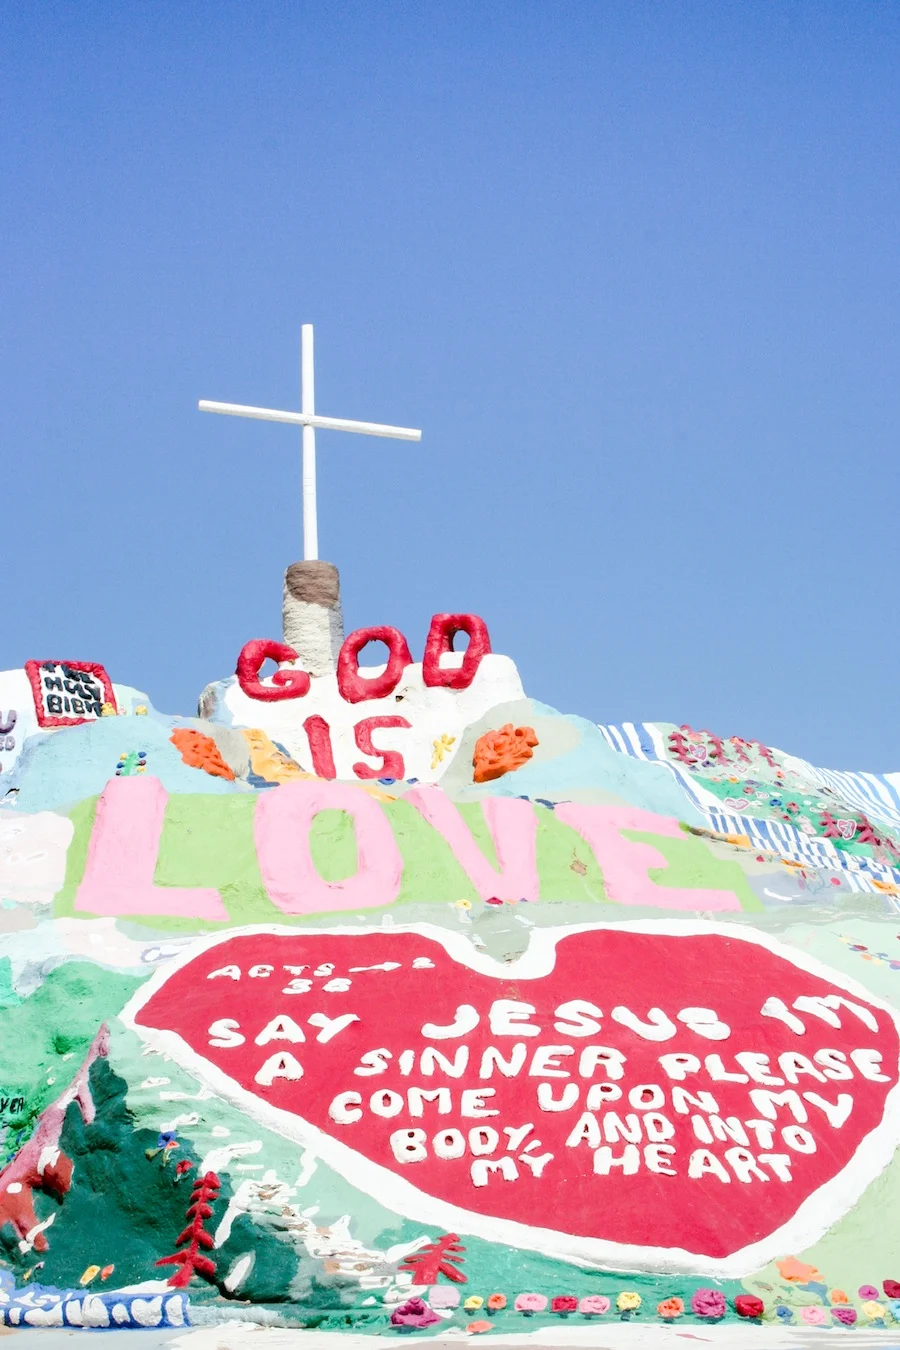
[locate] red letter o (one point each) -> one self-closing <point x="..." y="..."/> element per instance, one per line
<point x="354" y="687"/>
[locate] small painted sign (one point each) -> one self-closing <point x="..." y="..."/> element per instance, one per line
<point x="67" y="693"/>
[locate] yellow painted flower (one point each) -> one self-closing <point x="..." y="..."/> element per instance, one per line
<point x="628" y="1301"/>
<point x="473" y="1303"/>
<point x="874" y="1311"/>
<point x="463" y="904"/>
<point x="441" y="747"/>
<point x="141" y="710"/>
<point x="107" y="710"/>
<point x="90" y="1273"/>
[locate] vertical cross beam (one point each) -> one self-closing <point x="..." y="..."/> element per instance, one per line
<point x="308" y="405"/>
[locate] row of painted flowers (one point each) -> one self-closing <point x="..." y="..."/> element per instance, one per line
<point x="710" y="1304"/>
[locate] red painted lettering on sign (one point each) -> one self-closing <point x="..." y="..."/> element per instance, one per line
<point x="319" y="735"/>
<point x="357" y="688"/>
<point x="290" y="683"/>
<point x="391" y="765"/>
<point x="443" y="630"/>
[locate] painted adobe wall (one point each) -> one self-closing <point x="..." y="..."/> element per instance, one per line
<point x="392" y="999"/>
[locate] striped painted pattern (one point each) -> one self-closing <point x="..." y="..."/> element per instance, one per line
<point x="870" y="794"/>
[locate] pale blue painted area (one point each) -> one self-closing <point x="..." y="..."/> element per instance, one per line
<point x="56" y="770"/>
<point x="219" y="711"/>
<point x="593" y="764"/>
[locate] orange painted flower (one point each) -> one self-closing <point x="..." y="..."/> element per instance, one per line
<point x="503" y="751"/>
<point x="797" y="1272"/>
<point x="670" y="1308"/>
<point x="477" y="1327"/>
<point x="200" y="752"/>
<point x="496" y="1302"/>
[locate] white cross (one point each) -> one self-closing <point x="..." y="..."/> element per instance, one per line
<point x="308" y="420"/>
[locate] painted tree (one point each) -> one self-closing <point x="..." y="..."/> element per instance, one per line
<point x="438" y="1258"/>
<point x="41" y="1165"/>
<point x="206" y="1191"/>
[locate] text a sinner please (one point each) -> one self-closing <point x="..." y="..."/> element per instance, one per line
<point x="636" y="1134"/>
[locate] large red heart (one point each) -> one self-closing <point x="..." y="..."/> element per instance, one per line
<point x="654" y="1175"/>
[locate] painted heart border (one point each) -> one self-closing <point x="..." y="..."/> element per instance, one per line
<point x="814" y="1216"/>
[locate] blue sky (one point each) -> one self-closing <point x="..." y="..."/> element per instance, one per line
<point x="632" y="267"/>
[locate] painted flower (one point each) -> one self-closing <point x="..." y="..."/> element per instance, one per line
<point x="441" y="1296"/>
<point x="184" y="1166"/>
<point x="628" y="1301"/>
<point x="748" y="1305"/>
<point x="530" y="1303"/>
<point x="844" y="1314"/>
<point x="874" y="1310"/>
<point x="814" y="1316"/>
<point x="473" y="1303"/>
<point x="708" y="1303"/>
<point x="891" y="1288"/>
<point x="477" y="1327"/>
<point x="868" y="1291"/>
<point x="894" y="1306"/>
<point x="783" y="1312"/>
<point x="838" y="1296"/>
<point x="496" y="1302"/>
<point x="594" y="1305"/>
<point x="413" y="1313"/>
<point x="563" y="1303"/>
<point x="795" y="1271"/>
<point x="166" y="1137"/>
<point x="670" y="1308"/>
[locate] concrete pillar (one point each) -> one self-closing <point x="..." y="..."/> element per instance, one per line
<point x="311" y="614"/>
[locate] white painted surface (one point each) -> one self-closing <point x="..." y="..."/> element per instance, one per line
<point x="432" y="714"/>
<point x="16" y="692"/>
<point x="597" y="1334"/>
<point x="33" y="855"/>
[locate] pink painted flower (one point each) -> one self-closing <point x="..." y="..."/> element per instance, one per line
<point x="844" y="1314"/>
<point x="413" y="1313"/>
<point x="442" y="1296"/>
<point x="529" y="1304"/>
<point x="594" y="1305"/>
<point x="708" y="1303"/>
<point x="868" y="1291"/>
<point x="814" y="1316"/>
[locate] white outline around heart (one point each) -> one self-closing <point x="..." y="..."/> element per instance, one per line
<point x="810" y="1221"/>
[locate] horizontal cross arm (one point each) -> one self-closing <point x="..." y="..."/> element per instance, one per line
<point x="299" y="419"/>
